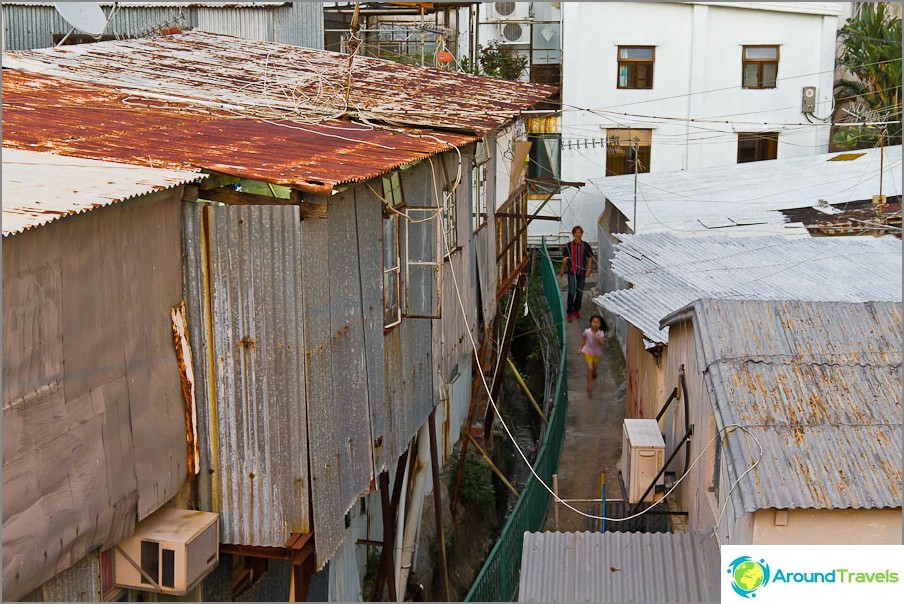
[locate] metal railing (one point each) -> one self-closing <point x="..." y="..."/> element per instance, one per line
<point x="498" y="579"/>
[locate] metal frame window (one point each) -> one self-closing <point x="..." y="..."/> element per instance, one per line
<point x="450" y="222"/>
<point x="392" y="261"/>
<point x="757" y="146"/>
<point x="479" y="186"/>
<point x="635" y="67"/>
<point x="626" y="148"/>
<point x="759" y="66"/>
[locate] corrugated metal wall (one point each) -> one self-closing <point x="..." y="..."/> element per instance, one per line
<point x="79" y="583"/>
<point x="28" y="26"/>
<point x="32" y="26"/>
<point x="611" y="221"/>
<point x="93" y="413"/>
<point x="244" y="292"/>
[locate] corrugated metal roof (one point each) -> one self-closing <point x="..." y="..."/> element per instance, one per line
<point x="39" y="188"/>
<point x="667" y="272"/>
<point x="746" y="198"/>
<point x="99" y="122"/>
<point x="282" y="82"/>
<point x="619" y="567"/>
<point x="818" y="384"/>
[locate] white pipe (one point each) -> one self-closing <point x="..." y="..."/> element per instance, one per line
<point x="416" y="507"/>
<point x="400" y="524"/>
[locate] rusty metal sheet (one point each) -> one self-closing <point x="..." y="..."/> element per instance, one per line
<point x="282" y="81"/>
<point x="818" y="384"/>
<point x="244" y="292"/>
<point x="98" y="122"/>
<point x="93" y="417"/>
<point x="39" y="188"/>
<point x="369" y="218"/>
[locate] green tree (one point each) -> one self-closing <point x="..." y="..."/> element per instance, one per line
<point x="871" y="53"/>
<point x="496" y="61"/>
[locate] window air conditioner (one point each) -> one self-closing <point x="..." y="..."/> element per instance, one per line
<point x="643" y="451"/>
<point x="174" y="548"/>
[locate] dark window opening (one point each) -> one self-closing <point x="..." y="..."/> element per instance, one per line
<point x="150" y="560"/>
<point x="635" y="66"/>
<point x="757" y="146"/>
<point x="545" y="156"/>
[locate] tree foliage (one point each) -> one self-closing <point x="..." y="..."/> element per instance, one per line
<point x="871" y="53"/>
<point x="496" y="61"/>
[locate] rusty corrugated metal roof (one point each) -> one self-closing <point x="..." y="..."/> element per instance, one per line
<point x="619" y="567"/>
<point x="284" y="82"/>
<point x="46" y="113"/>
<point x="819" y="385"/>
<point x="39" y="188"/>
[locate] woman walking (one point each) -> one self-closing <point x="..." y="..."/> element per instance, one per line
<point x="592" y="347"/>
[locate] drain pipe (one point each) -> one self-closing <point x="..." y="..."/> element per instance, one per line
<point x="400" y="525"/>
<point x="416" y="507"/>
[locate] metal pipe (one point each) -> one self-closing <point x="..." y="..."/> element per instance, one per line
<point x="400" y="527"/>
<point x="555" y="492"/>
<point x="602" y="502"/>
<point x="671" y="398"/>
<point x="493" y="467"/>
<point x="415" y="508"/>
<point x="526" y="390"/>
<point x="438" y="506"/>
<point x="687" y="417"/>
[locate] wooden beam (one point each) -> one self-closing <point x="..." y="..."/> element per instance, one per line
<point x="308" y="208"/>
<point x="438" y="506"/>
<point x="215" y="181"/>
<point x="528" y="217"/>
<point x="190" y="192"/>
<point x="496" y="387"/>
<point x="233" y="197"/>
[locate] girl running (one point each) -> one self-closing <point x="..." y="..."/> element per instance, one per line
<point x="592" y="347"/>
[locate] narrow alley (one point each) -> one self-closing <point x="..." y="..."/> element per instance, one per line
<point x="594" y="427"/>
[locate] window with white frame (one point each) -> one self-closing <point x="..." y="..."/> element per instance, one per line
<point x="392" y="265"/>
<point x="450" y="222"/>
<point x="479" y="186"/>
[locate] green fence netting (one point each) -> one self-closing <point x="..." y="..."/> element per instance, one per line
<point x="498" y="579"/>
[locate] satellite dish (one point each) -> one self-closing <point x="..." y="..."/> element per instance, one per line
<point x="85" y="16"/>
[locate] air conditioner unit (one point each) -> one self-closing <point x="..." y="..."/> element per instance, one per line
<point x="514" y="33"/>
<point x="175" y="548"/>
<point x="643" y="452"/>
<point x="511" y="10"/>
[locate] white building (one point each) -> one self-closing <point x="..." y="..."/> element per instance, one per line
<point x="692" y="85"/>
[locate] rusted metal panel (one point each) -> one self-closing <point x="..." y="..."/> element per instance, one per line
<point x="99" y="122"/>
<point x="241" y="73"/>
<point x="318" y="342"/>
<point x="348" y="414"/>
<point x="39" y="188"/>
<point x="244" y="292"/>
<point x="818" y="385"/>
<point x="370" y="257"/>
<point x="78" y="583"/>
<point x="187" y="375"/>
<point x="93" y="418"/>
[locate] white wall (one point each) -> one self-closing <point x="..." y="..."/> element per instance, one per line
<point x="829" y="527"/>
<point x="697" y="75"/>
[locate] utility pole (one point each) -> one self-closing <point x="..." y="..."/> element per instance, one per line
<point x="636" y="148"/>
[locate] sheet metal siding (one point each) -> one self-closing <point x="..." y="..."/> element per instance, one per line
<point x="79" y="583"/>
<point x="369" y="221"/>
<point x="619" y="567"/>
<point x="28" y="27"/>
<point x="249" y="23"/>
<point x="93" y="418"/>
<point x="668" y="272"/>
<point x="255" y="428"/>
<point x="611" y="222"/>
<point x="819" y="384"/>
<point x="338" y="409"/>
<point x="299" y="24"/>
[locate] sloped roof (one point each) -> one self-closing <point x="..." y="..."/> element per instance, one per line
<point x="817" y="385"/>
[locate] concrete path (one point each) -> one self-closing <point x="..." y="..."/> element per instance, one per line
<point x="593" y="433"/>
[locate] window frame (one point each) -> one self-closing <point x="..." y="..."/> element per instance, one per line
<point x="760" y="63"/>
<point x="769" y="139"/>
<point x="645" y="151"/>
<point x="632" y="71"/>
<point x="479" y="170"/>
<point x="449" y="219"/>
<point x="393" y="199"/>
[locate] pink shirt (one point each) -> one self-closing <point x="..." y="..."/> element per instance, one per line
<point x="593" y="344"/>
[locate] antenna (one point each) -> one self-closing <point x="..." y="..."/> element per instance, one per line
<point x="85" y="16"/>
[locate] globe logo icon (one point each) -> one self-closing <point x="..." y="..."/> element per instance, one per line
<point x="748" y="575"/>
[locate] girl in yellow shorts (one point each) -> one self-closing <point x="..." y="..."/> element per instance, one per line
<point x="592" y="347"/>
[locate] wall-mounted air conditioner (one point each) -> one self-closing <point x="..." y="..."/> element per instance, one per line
<point x="514" y="33"/>
<point x="643" y="452"/>
<point x="170" y="552"/>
